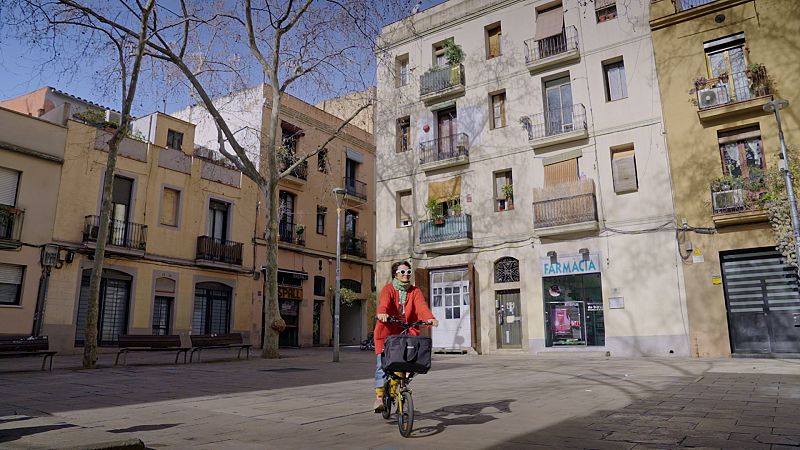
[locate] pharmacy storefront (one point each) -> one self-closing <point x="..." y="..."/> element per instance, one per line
<point x="573" y="300"/>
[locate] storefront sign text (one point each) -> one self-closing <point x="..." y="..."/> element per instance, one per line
<point x="570" y="265"/>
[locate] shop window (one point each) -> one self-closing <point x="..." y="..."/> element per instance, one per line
<point x="493" y="41"/>
<point x="113" y="307"/>
<point x="574" y="311"/>
<point x="403" y="134"/>
<point x="319" y="286"/>
<point x="11" y="277"/>
<point x="506" y="270"/>
<point x="614" y="76"/>
<point x="605" y="10"/>
<point x="402" y="70"/>
<point x="212" y="309"/>
<point x="170" y="203"/>
<point x="503" y="191"/>
<point x="623" y="169"/>
<point x="742" y="153"/>
<point x="174" y="139"/>
<point x="404" y="208"/>
<point x="498" y="110"/>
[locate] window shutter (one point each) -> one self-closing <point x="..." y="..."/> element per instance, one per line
<point x="169" y="207"/>
<point x="10" y="274"/>
<point x="8" y="186"/>
<point x="623" y="166"/>
<point x="494" y="42"/>
<point x="405" y="206"/>
<point x="561" y="172"/>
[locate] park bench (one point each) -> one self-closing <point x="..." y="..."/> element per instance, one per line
<point x="147" y="343"/>
<point x="210" y="341"/>
<point x="15" y="346"/>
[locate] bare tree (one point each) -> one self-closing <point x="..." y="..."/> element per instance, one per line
<point x="308" y="43"/>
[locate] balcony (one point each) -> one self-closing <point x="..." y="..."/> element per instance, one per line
<point x="11" y="227"/>
<point x="556" y="126"/>
<point x="565" y="208"/>
<point x="736" y="201"/>
<point x="441" y="83"/>
<point x="453" y="233"/>
<point x="123" y="237"/>
<point x="683" y="5"/>
<point x="733" y="94"/>
<point x="214" y="252"/>
<point x="287" y="233"/>
<point x="444" y="151"/>
<point x="351" y="245"/>
<point x="552" y="51"/>
<point x="355" y="191"/>
<point x="299" y="175"/>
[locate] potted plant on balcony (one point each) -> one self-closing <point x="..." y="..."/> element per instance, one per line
<point x="508" y="191"/>
<point x="434" y="210"/>
<point x="455" y="209"/>
<point x="299" y="229"/>
<point x="760" y="82"/>
<point x="6" y="220"/>
<point x="455" y="56"/>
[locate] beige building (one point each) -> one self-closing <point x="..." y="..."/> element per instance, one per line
<point x="719" y="62"/>
<point x="529" y="183"/>
<point x="180" y="254"/>
<point x="307" y="260"/>
<point x="347" y="105"/>
<point x="31" y="156"/>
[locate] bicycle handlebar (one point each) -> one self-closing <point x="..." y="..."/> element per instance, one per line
<point x="406" y="325"/>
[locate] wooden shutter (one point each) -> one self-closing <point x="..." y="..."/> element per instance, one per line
<point x="8" y="186"/>
<point x="494" y="42"/>
<point x="623" y="166"/>
<point x="169" y="207"/>
<point x="561" y="172"/>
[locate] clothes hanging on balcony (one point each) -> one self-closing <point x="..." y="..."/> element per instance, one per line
<point x="549" y="23"/>
<point x="443" y="191"/>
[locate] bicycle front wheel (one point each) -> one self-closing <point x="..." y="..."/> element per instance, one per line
<point x="405" y="414"/>
<point x="387" y="401"/>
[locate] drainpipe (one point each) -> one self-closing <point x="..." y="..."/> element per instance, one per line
<point x="41" y="296"/>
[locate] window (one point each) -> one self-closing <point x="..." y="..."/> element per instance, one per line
<point x="319" y="286"/>
<point x="170" y="204"/>
<point x="353" y="285"/>
<point x="402" y="70"/>
<point x="439" y="59"/>
<point x="10" y="284"/>
<point x="494" y="47"/>
<point x="321" y="212"/>
<point x="403" y="134"/>
<point x="404" y="209"/>
<point x="614" y="75"/>
<point x="113" y="309"/>
<point x="503" y="191"/>
<point x="9" y="181"/>
<point x="499" y="110"/>
<point x="218" y="220"/>
<point x="286" y="224"/>
<point x="174" y="139"/>
<point x="162" y="306"/>
<point x="212" y="309"/>
<point x="623" y="168"/>
<point x="727" y="69"/>
<point x="322" y="160"/>
<point x="605" y="10"/>
<point x="742" y="153"/>
<point x="506" y="270"/>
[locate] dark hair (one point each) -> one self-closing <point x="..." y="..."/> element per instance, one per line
<point x="398" y="264"/>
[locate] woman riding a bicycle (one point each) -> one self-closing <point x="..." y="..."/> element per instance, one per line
<point x="399" y="298"/>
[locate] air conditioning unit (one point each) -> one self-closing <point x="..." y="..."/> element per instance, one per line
<point x="405" y="223"/>
<point x="728" y="201"/>
<point x="707" y="98"/>
<point x="113" y="116"/>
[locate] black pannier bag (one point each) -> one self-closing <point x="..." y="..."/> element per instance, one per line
<point x="405" y="353"/>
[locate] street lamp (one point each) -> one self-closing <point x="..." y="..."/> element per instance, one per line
<point x="339" y="194"/>
<point x="775" y="106"/>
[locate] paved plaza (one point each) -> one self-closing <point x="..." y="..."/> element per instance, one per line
<point x="512" y="400"/>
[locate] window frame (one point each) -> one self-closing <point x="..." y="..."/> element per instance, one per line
<point x="488" y="34"/>
<point x="616" y="63"/>
<point x="403" y="123"/>
<point x="618" y="152"/>
<point x="178" y="202"/>
<point x="17" y="301"/>
<point x="402" y="70"/>
<point x="399" y="208"/>
<point x="740" y="144"/>
<point x="322" y="212"/>
<point x="501" y="202"/>
<point x="172" y="135"/>
<point x="501" y="97"/>
<point x="603" y="8"/>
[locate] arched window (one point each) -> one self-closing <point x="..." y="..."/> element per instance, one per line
<point x="506" y="270"/>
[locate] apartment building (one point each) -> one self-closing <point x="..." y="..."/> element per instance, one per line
<point x="528" y="181"/>
<point x="308" y="208"/>
<point x="719" y="63"/>
<point x="179" y="258"/>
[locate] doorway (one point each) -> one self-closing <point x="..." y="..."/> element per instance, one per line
<point x="509" y="320"/>
<point x="451" y="305"/>
<point x="558" y="107"/>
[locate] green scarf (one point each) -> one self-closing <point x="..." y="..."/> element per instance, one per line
<point x="402" y="288"/>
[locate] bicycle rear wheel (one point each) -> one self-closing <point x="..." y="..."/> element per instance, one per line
<point x="405" y="414"/>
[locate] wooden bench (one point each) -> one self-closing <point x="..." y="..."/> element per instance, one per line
<point x="147" y="343"/>
<point x="209" y="341"/>
<point x="14" y="346"/>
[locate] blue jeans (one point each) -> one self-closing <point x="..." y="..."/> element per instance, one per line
<point x="378" y="373"/>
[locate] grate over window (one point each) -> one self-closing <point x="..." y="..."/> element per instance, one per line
<point x="506" y="270"/>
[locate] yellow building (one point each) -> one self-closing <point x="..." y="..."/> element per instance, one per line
<point x="718" y="63"/>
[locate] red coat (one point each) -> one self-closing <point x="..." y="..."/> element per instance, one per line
<point x="416" y="308"/>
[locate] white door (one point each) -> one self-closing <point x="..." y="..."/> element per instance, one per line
<point x="450" y="304"/>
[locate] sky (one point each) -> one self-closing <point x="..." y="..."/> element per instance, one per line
<point x="21" y="72"/>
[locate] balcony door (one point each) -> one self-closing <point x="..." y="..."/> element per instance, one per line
<point x="350" y="169"/>
<point x="218" y="220"/>
<point x="558" y="107"/>
<point x="286" y="225"/>
<point x="727" y="62"/>
<point x="447" y="129"/>
<point x="120" y="211"/>
<point x="113" y="307"/>
<point x="350" y="224"/>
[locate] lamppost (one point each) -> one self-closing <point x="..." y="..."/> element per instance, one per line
<point x="339" y="194"/>
<point x="775" y="106"/>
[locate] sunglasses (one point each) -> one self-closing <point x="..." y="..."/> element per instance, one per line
<point x="404" y="272"/>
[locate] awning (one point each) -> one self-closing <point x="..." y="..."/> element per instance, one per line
<point x="443" y="191"/>
<point x="549" y="23"/>
<point x="355" y="156"/>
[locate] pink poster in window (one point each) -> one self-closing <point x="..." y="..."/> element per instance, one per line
<point x="561" y="321"/>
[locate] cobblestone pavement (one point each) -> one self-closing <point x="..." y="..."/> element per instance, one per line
<point x="509" y="400"/>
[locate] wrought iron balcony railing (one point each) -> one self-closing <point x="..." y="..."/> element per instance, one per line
<point x="452" y="228"/>
<point x="444" y="147"/>
<point x="538" y="49"/>
<point x="736" y="195"/>
<point x="219" y="250"/>
<point x="355" y="188"/>
<point x="733" y="88"/>
<point x="351" y="245"/>
<point x="441" y="79"/>
<point x="564" y="204"/>
<point x="300" y="172"/>
<point x="120" y="233"/>
<point x="10" y="224"/>
<point x="555" y="121"/>
<point x="287" y="233"/>
<point x="682" y="5"/>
